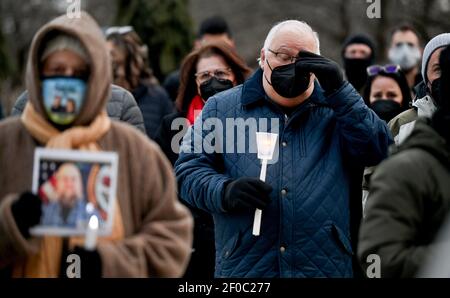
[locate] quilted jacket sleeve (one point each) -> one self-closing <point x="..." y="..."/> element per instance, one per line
<point x="364" y="135"/>
<point x="200" y="178"/>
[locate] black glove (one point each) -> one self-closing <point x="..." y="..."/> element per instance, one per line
<point x="327" y="71"/>
<point x="246" y="193"/>
<point x="90" y="263"/>
<point x="27" y="211"/>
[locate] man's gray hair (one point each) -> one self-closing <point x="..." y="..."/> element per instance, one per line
<point x="300" y="25"/>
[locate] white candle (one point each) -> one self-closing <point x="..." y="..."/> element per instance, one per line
<point x="266" y="143"/>
<point x="90" y="242"/>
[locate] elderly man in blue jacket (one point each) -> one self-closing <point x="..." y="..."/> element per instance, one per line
<point x="323" y="126"/>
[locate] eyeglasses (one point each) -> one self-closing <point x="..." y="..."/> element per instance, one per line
<point x="283" y="57"/>
<point x="376" y="69"/>
<point x="220" y="73"/>
<point x="119" y="30"/>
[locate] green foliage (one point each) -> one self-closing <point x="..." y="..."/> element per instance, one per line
<point x="165" y="26"/>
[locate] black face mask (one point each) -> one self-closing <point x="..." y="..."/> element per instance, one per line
<point x="386" y="109"/>
<point x="213" y="86"/>
<point x="287" y="81"/>
<point x="356" y="71"/>
<point x="435" y="91"/>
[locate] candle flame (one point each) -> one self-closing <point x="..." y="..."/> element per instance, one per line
<point x="93" y="222"/>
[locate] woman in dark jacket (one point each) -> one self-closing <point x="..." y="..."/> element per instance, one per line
<point x="131" y="71"/>
<point x="410" y="194"/>
<point x="210" y="69"/>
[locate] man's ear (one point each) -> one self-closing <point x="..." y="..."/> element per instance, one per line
<point x="262" y="58"/>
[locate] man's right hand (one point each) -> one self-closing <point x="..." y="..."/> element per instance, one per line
<point x="27" y="212"/>
<point x="246" y="194"/>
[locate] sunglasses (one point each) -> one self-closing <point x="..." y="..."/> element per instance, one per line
<point x="376" y="69"/>
<point x="119" y="30"/>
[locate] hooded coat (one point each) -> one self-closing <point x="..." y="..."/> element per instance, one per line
<point x="157" y="228"/>
<point x="408" y="203"/>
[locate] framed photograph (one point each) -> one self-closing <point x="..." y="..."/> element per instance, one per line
<point x="74" y="185"/>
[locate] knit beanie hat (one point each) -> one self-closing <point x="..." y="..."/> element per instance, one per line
<point x="64" y="42"/>
<point x="437" y="42"/>
<point x="359" y="39"/>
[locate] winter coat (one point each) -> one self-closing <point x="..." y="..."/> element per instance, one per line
<point x="121" y="106"/>
<point x="154" y="104"/>
<point x="157" y="228"/>
<point x="408" y="203"/>
<point x="305" y="230"/>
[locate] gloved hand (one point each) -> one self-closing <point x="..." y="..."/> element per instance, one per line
<point x="246" y="194"/>
<point x="27" y="211"/>
<point x="90" y="263"/>
<point x="327" y="71"/>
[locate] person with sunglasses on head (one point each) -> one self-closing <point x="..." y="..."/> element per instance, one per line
<point x="387" y="91"/>
<point x="425" y="103"/>
<point x="210" y="69"/>
<point x="131" y="71"/>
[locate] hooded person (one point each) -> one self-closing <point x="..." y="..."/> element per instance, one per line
<point x="152" y="231"/>
<point x="358" y="53"/>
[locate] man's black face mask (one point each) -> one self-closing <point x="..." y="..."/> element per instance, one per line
<point x="288" y="81"/>
<point x="356" y="71"/>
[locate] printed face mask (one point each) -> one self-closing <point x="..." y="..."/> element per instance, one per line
<point x="63" y="98"/>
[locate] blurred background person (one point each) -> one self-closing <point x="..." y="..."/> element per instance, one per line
<point x="211" y="30"/>
<point x="406" y="50"/>
<point x="210" y="69"/>
<point x="206" y="71"/>
<point x="131" y="71"/>
<point x="387" y="92"/>
<point x="1" y="112"/>
<point x="410" y="195"/>
<point x="402" y="125"/>
<point x="358" y="53"/>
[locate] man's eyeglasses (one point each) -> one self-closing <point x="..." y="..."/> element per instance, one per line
<point x="220" y="73"/>
<point x="283" y="57"/>
<point x="119" y="30"/>
<point x="376" y="69"/>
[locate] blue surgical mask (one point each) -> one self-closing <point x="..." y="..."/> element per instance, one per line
<point x="63" y="98"/>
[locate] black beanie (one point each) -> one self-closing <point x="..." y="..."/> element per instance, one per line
<point x="362" y="39"/>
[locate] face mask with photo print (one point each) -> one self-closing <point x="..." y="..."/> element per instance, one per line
<point x="63" y="98"/>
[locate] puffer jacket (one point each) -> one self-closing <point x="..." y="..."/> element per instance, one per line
<point x="305" y="230"/>
<point x="121" y="106"/>
<point x="154" y="104"/>
<point x="408" y="203"/>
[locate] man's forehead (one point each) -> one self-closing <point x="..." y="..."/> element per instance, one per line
<point x="289" y="38"/>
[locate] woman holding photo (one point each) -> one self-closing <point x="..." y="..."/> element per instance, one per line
<point x="152" y="231"/>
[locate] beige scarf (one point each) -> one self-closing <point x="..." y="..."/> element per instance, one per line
<point x="46" y="263"/>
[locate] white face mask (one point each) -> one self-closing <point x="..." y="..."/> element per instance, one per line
<point x="405" y="55"/>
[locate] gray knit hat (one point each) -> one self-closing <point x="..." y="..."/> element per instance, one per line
<point x="64" y="42"/>
<point x="437" y="42"/>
